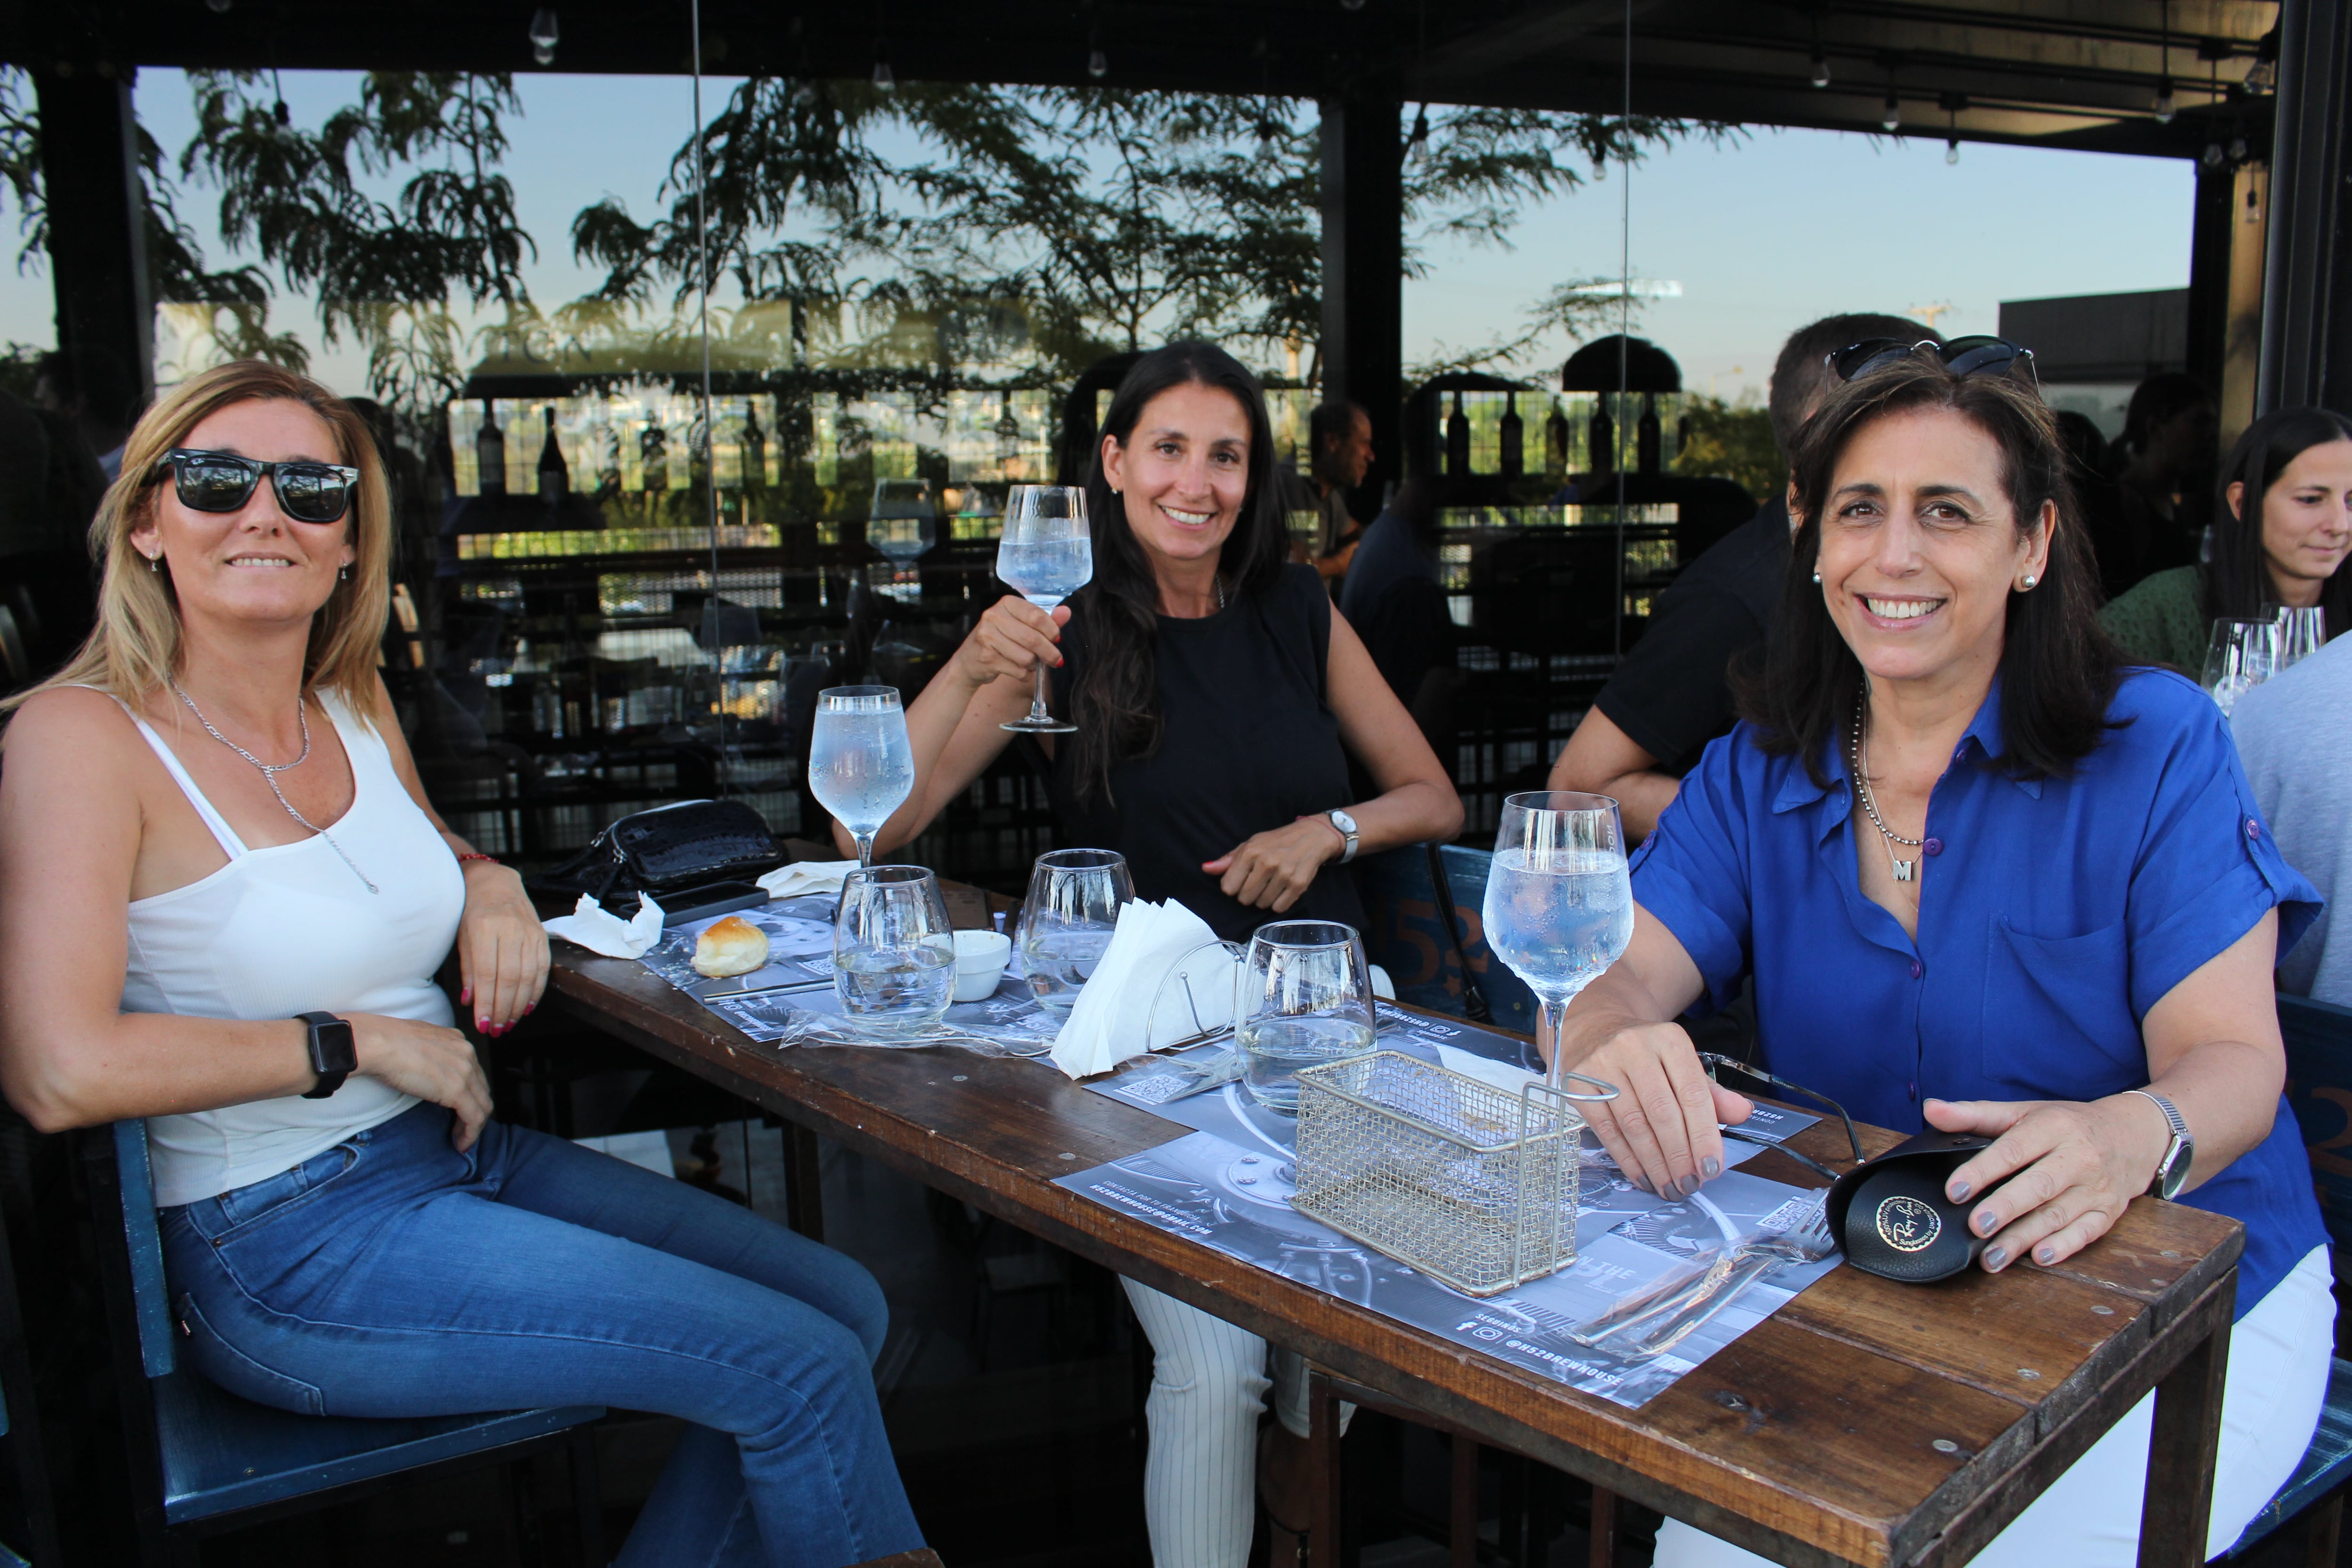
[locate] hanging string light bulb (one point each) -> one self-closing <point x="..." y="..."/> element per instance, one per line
<point x="1266" y="133"/>
<point x="884" y="78"/>
<point x="1892" y="121"/>
<point x="543" y="36"/>
<point x="1098" y="63"/>
<point x="2165" y="107"/>
<point x="2211" y="156"/>
<point x="278" y="111"/>
<point x="1417" y="148"/>
<point x="1951" y="150"/>
<point x="1820" y="68"/>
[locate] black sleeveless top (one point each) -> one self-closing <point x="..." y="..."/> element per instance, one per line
<point x="1247" y="742"/>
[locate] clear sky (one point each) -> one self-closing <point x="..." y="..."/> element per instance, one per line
<point x="1763" y="234"/>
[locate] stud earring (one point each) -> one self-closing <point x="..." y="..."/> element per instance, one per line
<point x="2030" y="580"/>
<point x="1817" y="579"/>
<point x="154" y="563"/>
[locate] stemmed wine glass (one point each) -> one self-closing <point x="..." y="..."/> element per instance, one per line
<point x="861" y="766"/>
<point x="1559" y="902"/>
<point x="2245" y="653"/>
<point x="1046" y="554"/>
<point x="2301" y="632"/>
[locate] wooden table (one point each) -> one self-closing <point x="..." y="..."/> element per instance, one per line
<point x="1865" y="1423"/>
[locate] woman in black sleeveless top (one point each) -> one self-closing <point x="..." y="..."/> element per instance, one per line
<point x="1218" y="698"/>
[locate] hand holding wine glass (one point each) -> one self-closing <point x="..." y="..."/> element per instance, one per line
<point x="1559" y="900"/>
<point x="1047" y="554"/>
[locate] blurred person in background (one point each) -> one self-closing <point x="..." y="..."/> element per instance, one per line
<point x="1670" y="695"/>
<point x="2284" y="530"/>
<point x="95" y="391"/>
<point x="1339" y="447"/>
<point x="2295" y="736"/>
<point x="1395" y="600"/>
<point x="2161" y="469"/>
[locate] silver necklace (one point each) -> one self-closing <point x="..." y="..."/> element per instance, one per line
<point x="1905" y="870"/>
<point x="1220" y="580"/>
<point x="270" y="772"/>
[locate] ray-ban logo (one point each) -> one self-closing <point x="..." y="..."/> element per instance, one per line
<point x="1907" y="1225"/>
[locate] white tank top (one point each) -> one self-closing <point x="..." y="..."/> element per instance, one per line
<point x="287" y="929"/>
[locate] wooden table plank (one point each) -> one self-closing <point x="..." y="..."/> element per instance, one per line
<point x="1811" y="1440"/>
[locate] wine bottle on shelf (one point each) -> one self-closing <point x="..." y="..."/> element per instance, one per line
<point x="1513" y="438"/>
<point x="1648" y="439"/>
<point x="554" y="473"/>
<point x="1600" y="438"/>
<point x="755" y="447"/>
<point x="1556" y="443"/>
<point x="1457" y="441"/>
<point x="490" y="454"/>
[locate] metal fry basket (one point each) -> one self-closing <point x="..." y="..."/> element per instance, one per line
<point x="1470" y="1185"/>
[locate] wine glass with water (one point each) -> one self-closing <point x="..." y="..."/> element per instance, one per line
<point x="861" y="766"/>
<point x="1046" y="554"/>
<point x="1559" y="902"/>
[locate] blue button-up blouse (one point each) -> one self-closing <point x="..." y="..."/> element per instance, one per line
<point x="2054" y="913"/>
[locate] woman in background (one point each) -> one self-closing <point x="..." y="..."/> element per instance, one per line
<point x="2286" y="493"/>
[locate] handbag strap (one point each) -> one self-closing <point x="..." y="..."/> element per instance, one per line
<point x="1475" y="1006"/>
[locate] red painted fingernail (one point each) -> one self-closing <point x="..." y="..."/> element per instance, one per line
<point x="466" y="998"/>
<point x="483" y="1025"/>
<point x="527" y="1006"/>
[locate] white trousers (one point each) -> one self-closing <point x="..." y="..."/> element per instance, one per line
<point x="2089" y="1518"/>
<point x="1208" y="1386"/>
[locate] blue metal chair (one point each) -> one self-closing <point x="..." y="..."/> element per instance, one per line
<point x="2319" y="1088"/>
<point x="1508" y="1001"/>
<point x="204" y="1460"/>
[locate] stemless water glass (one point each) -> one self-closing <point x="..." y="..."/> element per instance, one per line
<point x="894" y="963"/>
<point x="1303" y="997"/>
<point x="1067" y="924"/>
<point x="1046" y="554"/>
<point x="861" y="766"/>
<point x="2244" y="654"/>
<point x="1559" y="903"/>
<point x="2301" y="632"/>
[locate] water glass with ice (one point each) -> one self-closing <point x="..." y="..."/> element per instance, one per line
<point x="861" y="766"/>
<point x="894" y="957"/>
<point x="1046" y="554"/>
<point x="1303" y="997"/>
<point x="1560" y="903"/>
<point x="2301" y="632"/>
<point x="1067" y="924"/>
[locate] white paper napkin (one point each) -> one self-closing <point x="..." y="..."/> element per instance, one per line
<point x="1113" y="1018"/>
<point x="1485" y="1069"/>
<point x="598" y="930"/>
<point x="806" y="877"/>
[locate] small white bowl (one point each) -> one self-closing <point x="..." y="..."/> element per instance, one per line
<point x="980" y="958"/>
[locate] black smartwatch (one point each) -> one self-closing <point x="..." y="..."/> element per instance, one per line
<point x="334" y="1052"/>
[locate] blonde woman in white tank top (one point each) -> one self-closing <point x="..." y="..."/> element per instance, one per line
<point x="209" y="826"/>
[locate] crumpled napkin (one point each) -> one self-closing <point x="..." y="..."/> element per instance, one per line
<point x="598" y="930"/>
<point x="806" y="877"/>
<point x="1113" y="1019"/>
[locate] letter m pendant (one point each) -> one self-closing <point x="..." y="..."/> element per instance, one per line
<point x="1905" y="870"/>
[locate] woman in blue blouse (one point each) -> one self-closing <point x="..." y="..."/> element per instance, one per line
<point x="1987" y="881"/>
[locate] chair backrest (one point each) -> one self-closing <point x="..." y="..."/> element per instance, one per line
<point x="1404" y="932"/>
<point x="2319" y="1088"/>
<point x="150" y="1298"/>
<point x="1509" y="1003"/>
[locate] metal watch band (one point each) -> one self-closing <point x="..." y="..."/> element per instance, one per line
<point x="2180" y="1143"/>
<point x="334" y="1054"/>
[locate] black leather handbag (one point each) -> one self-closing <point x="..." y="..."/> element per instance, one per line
<point x="689" y="844"/>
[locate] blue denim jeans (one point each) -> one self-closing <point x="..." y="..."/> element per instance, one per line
<point x="392" y="1276"/>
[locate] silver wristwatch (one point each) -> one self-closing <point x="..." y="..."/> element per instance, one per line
<point x="2171" y="1171"/>
<point x="1347" y="826"/>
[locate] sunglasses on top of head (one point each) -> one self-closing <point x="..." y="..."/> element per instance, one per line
<point x="223" y="481"/>
<point x="1961" y="356"/>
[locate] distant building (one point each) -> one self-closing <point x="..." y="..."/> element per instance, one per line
<point x="2091" y="350"/>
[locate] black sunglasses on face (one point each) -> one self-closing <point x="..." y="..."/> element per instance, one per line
<point x="1961" y="356"/>
<point x="223" y="481"/>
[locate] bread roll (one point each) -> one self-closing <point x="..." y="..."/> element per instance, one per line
<point x="732" y="947"/>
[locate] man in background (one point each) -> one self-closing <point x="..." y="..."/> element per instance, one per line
<point x="1339" y="448"/>
<point x="1672" y="694"/>
<point x="2294" y="735"/>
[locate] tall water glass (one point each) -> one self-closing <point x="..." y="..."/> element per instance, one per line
<point x="861" y="766"/>
<point x="2301" y="632"/>
<point x="894" y="962"/>
<point x="1067" y="924"/>
<point x="1044" y="555"/>
<point x="1303" y="997"/>
<point x="1560" y="903"/>
<point x="2243" y="655"/>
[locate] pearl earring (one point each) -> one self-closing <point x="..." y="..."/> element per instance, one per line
<point x="2030" y="581"/>
<point x="154" y="563"/>
<point x="1817" y="579"/>
<point x="345" y="575"/>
